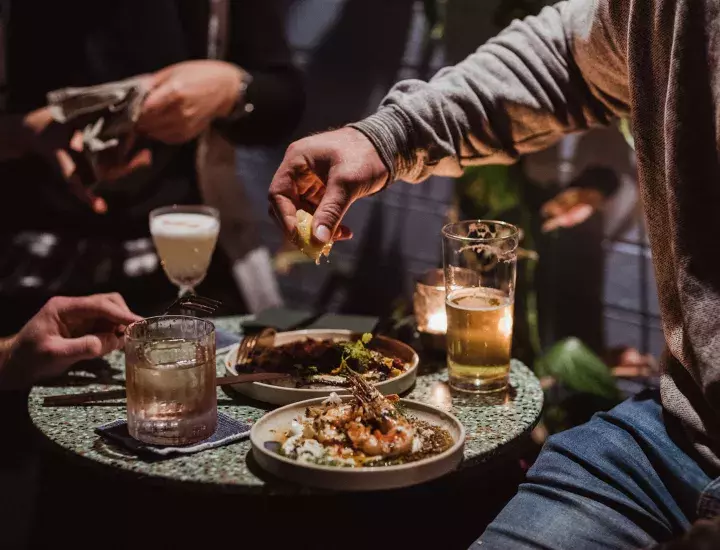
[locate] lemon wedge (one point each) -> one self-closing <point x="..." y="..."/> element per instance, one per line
<point x="305" y="242"/>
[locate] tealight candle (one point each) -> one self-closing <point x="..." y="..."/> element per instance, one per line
<point x="429" y="307"/>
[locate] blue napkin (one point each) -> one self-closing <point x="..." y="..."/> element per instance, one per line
<point x="224" y="339"/>
<point x="228" y="430"/>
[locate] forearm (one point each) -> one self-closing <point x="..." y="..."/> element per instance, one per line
<point x="546" y="76"/>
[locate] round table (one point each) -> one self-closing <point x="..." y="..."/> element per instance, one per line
<point x="492" y="423"/>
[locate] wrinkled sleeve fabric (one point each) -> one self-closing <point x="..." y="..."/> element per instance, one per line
<point x="561" y="71"/>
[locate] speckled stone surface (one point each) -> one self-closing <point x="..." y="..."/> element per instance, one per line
<point x="491" y="424"/>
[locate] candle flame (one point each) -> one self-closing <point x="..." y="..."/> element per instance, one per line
<point x="505" y="324"/>
<point x="437" y="322"/>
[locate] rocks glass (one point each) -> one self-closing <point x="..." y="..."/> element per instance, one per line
<point x="170" y="369"/>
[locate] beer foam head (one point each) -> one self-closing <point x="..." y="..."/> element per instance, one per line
<point x="184" y="224"/>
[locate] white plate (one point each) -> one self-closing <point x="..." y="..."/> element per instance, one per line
<point x="356" y="479"/>
<point x="278" y="395"/>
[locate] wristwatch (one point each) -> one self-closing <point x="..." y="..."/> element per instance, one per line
<point x="242" y="106"/>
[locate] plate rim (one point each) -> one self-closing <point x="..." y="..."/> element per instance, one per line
<point x="340" y="332"/>
<point x="458" y="445"/>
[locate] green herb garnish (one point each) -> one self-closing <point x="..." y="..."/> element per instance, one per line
<point x="357" y="353"/>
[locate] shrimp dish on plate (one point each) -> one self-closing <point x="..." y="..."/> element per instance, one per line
<point x="368" y="429"/>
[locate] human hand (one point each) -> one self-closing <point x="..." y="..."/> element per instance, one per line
<point x="186" y="97"/>
<point x="571" y="207"/>
<point x="63" y="332"/>
<point x="61" y="145"/>
<point x="325" y="174"/>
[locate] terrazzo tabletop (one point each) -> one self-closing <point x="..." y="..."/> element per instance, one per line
<point x="492" y="423"/>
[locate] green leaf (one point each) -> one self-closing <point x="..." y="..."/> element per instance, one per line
<point x="626" y="131"/>
<point x="575" y="365"/>
<point x="489" y="190"/>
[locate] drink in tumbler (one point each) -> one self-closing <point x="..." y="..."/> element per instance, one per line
<point x="170" y="369"/>
<point x="479" y="337"/>
<point x="185" y="238"/>
<point x="479" y="259"/>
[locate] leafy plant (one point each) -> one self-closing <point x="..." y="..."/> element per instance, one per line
<point x="626" y="130"/>
<point x="573" y="364"/>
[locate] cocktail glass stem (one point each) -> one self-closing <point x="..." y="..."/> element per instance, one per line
<point x="186" y="290"/>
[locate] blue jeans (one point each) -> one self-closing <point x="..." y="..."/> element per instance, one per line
<point x="618" y="481"/>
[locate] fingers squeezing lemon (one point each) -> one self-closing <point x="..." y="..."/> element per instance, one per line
<point x="305" y="241"/>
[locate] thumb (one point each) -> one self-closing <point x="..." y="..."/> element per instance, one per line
<point x="333" y="206"/>
<point x="154" y="104"/>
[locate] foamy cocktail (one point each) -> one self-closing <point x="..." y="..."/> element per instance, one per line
<point x="185" y="238"/>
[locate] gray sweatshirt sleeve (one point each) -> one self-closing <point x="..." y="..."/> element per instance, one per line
<point x="561" y="71"/>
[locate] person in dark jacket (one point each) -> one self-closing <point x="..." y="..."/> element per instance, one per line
<point x="56" y="237"/>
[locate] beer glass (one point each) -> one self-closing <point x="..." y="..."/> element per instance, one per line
<point x="479" y="259"/>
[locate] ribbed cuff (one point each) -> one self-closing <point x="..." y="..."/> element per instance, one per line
<point x="391" y="134"/>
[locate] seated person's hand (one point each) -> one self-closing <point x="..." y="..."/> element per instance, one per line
<point x="63" y="332"/>
<point x="325" y="174"/>
<point x="186" y="97"/>
<point x="571" y="207"/>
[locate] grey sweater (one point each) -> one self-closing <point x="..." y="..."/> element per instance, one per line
<point x="575" y="66"/>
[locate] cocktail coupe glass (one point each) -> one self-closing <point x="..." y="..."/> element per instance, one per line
<point x="185" y="239"/>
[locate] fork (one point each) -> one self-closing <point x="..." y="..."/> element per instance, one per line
<point x="249" y="343"/>
<point x="193" y="302"/>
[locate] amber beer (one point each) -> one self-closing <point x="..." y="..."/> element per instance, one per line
<point x="479" y="261"/>
<point x="480" y="322"/>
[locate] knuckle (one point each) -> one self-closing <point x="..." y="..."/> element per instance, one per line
<point x="187" y="113"/>
<point x="45" y="350"/>
<point x="332" y="211"/>
<point x="175" y="95"/>
<point x="347" y="177"/>
<point x="57" y="302"/>
<point x="294" y="148"/>
<point x="94" y="347"/>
